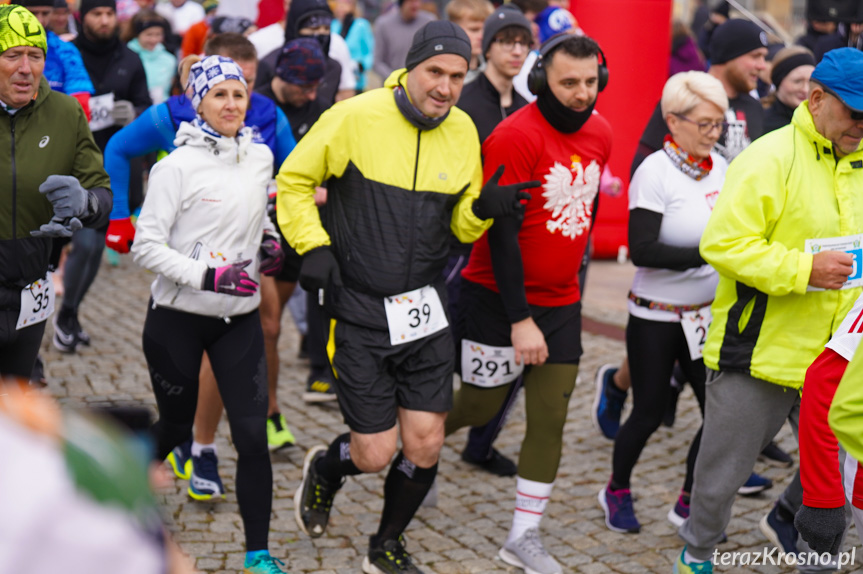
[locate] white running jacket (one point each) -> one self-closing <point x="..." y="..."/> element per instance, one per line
<point x="206" y="206"/>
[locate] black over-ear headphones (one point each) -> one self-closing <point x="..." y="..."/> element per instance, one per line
<point x="537" y="81"/>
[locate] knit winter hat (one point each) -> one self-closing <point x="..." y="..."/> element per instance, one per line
<point x="19" y="27"/>
<point x="735" y="38"/>
<point x="87" y="5"/>
<point x="209" y="72"/>
<point x="301" y="62"/>
<point x="435" y="38"/>
<point x="505" y="16"/>
<point x="552" y="21"/>
<point x="33" y="3"/>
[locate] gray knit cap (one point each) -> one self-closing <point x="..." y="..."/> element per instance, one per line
<point x="435" y="38"/>
<point x="505" y="16"/>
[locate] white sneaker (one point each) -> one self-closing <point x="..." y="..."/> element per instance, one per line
<point x="528" y="553"/>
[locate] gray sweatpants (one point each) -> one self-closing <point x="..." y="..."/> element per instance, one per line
<point x="741" y="415"/>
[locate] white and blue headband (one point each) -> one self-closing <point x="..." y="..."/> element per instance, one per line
<point x="209" y="72"/>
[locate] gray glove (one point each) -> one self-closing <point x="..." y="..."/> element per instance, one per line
<point x="70" y="202"/>
<point x="123" y="113"/>
<point x="822" y="528"/>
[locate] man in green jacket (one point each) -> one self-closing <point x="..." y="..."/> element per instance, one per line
<point x="777" y="303"/>
<point x="54" y="184"/>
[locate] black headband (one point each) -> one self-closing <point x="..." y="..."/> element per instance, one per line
<point x="142" y="25"/>
<point x="787" y="65"/>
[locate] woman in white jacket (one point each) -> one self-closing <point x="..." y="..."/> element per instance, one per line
<point x="204" y="230"/>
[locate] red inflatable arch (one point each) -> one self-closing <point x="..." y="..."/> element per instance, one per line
<point x="636" y="37"/>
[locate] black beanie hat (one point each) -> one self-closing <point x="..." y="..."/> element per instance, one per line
<point x="438" y="37"/>
<point x="735" y="38"/>
<point x="87" y="5"/>
<point x="505" y="16"/>
<point x="32" y="3"/>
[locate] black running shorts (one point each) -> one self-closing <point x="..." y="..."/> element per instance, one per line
<point x="484" y="320"/>
<point x="374" y="378"/>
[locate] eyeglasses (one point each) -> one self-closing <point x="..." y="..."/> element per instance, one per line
<point x="705" y="128"/>
<point x="510" y="44"/>
<point x="855" y="115"/>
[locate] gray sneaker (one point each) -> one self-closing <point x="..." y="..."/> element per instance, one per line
<point x="528" y="553"/>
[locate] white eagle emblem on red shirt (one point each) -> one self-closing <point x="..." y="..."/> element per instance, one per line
<point x="569" y="195"/>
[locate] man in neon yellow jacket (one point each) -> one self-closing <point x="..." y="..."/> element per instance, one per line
<point x="404" y="175"/>
<point x="800" y="182"/>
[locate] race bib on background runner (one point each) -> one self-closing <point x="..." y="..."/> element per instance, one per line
<point x="414" y="315"/>
<point x="101" y="112"/>
<point x="695" y="325"/>
<point x="37" y="303"/>
<point x="488" y="366"/>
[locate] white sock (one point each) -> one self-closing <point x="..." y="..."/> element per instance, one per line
<point x="530" y="500"/>
<point x="198" y="448"/>
<point x="690" y="559"/>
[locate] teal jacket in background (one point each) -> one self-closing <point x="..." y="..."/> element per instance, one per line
<point x="160" y="66"/>
<point x="361" y="43"/>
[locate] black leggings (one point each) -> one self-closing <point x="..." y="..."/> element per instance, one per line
<point x="653" y="347"/>
<point x="174" y="343"/>
<point x="18" y="347"/>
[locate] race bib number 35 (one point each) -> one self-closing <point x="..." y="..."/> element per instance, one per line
<point x="37" y="303"/>
<point x="488" y="366"/>
<point x="414" y="315"/>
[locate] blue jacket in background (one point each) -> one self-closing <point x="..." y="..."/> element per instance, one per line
<point x="64" y="68"/>
<point x="156" y="128"/>
<point x="361" y="43"/>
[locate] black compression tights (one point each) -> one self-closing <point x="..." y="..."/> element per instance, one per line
<point x="547" y="389"/>
<point x="653" y="347"/>
<point x="174" y="343"/>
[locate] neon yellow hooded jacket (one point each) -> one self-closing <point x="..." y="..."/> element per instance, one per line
<point x="846" y="411"/>
<point x="786" y="187"/>
<point x="396" y="195"/>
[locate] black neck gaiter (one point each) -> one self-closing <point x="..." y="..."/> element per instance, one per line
<point x="559" y="116"/>
<point x="418" y="119"/>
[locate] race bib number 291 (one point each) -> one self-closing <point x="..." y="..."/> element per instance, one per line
<point x="487" y="366"/>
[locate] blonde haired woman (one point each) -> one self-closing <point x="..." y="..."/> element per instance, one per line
<point x="204" y="230"/>
<point x="670" y="199"/>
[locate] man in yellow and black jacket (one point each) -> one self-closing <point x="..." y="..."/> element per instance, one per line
<point x="404" y="175"/>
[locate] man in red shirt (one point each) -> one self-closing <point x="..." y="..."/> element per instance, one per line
<point x="520" y="299"/>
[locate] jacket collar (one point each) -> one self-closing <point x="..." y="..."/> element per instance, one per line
<point x="802" y="120"/>
<point x="224" y="149"/>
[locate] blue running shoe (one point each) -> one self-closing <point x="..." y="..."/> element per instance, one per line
<point x="755" y="484"/>
<point x="619" y="515"/>
<point x="205" y="483"/>
<point x="263" y="564"/>
<point x="180" y="460"/>
<point x="780" y="529"/>
<point x="684" y="567"/>
<point x="607" y="402"/>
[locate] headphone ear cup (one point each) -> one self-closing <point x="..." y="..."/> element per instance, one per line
<point x="536" y="80"/>
<point x="602" y="77"/>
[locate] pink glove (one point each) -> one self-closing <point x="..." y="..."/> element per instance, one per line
<point x="231" y="280"/>
<point x="272" y="255"/>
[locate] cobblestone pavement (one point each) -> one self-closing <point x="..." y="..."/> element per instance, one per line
<point x="464" y="532"/>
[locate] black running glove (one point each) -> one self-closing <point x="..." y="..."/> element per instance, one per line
<point x="319" y="267"/>
<point x="822" y="528"/>
<point x="497" y="200"/>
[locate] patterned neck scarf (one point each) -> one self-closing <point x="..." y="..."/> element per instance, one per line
<point x="202" y="125"/>
<point x="695" y="169"/>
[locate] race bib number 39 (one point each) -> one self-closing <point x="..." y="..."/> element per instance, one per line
<point x="488" y="366"/>
<point x="695" y="325"/>
<point x="37" y="303"/>
<point x="414" y="315"/>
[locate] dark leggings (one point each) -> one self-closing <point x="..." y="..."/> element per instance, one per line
<point x="653" y="347"/>
<point x="82" y="265"/>
<point x="18" y="347"/>
<point x="174" y="343"/>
